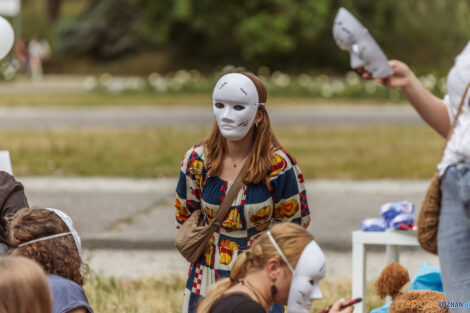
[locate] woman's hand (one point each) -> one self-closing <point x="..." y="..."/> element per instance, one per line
<point x="336" y="308"/>
<point x="401" y="77"/>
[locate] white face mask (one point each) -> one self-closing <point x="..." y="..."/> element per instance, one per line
<point x="235" y="103"/>
<point x="352" y="36"/>
<point x="310" y="269"/>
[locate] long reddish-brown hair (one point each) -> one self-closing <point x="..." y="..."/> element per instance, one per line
<point x="264" y="142"/>
<point x="58" y="256"/>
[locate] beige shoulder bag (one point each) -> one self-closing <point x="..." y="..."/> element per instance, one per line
<point x="193" y="235"/>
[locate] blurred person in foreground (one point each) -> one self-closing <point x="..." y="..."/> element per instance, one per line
<point x="12" y="199"/>
<point x="273" y="186"/>
<point x="48" y="237"/>
<point x="454" y="168"/>
<point x="23" y="286"/>
<point x="282" y="266"/>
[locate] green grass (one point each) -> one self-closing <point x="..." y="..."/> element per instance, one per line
<point x="94" y="99"/>
<point x="165" y="295"/>
<point x="339" y="153"/>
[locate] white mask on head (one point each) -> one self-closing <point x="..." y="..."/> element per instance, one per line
<point x="352" y="36"/>
<point x="235" y="103"/>
<point x="310" y="269"/>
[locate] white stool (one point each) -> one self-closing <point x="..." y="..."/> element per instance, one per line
<point x="390" y="239"/>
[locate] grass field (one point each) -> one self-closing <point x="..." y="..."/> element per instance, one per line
<point x="164" y="295"/>
<point x="339" y="153"/>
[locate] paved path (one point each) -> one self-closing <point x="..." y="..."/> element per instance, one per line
<point x="163" y="263"/>
<point x="181" y="116"/>
<point x="139" y="214"/>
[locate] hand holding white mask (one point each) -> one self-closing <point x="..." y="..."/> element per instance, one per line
<point x="352" y="36"/>
<point x="6" y="37"/>
<point x="235" y="103"/>
<point x="310" y="269"/>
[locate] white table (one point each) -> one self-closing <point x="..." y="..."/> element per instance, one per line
<point x="360" y="239"/>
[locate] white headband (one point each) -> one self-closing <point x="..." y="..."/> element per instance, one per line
<point x="68" y="221"/>
<point x="283" y="256"/>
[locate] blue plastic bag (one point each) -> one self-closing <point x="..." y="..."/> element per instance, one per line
<point x="373" y="224"/>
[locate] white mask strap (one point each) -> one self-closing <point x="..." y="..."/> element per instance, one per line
<point x="279" y="250"/>
<point x="44" y="238"/>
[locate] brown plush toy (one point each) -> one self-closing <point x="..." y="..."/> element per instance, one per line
<point x="393" y="278"/>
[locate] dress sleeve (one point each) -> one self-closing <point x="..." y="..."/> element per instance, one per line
<point x="188" y="189"/>
<point x="288" y="190"/>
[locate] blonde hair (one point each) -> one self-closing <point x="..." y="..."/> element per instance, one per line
<point x="264" y="143"/>
<point x="291" y="238"/>
<point x="23" y="286"/>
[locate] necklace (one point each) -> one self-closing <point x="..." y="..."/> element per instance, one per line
<point x="242" y="161"/>
<point x="257" y="294"/>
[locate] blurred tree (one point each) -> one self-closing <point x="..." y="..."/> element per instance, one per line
<point x="250" y="31"/>
<point x="282" y="34"/>
<point x="53" y="9"/>
<point x="106" y="29"/>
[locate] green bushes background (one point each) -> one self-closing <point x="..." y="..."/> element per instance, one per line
<point x="287" y="35"/>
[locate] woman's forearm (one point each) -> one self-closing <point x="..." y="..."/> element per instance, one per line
<point x="431" y="108"/>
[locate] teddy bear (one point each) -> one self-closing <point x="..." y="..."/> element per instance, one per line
<point x="393" y="278"/>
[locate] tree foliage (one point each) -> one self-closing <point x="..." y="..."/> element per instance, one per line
<point x="104" y="30"/>
<point x="284" y="34"/>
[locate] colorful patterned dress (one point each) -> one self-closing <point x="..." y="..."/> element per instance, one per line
<point x="250" y="215"/>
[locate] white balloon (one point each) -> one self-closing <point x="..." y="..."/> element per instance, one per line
<point x="6" y="37"/>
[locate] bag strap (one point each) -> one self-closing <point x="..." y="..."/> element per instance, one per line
<point x="229" y="197"/>
<point x="451" y="131"/>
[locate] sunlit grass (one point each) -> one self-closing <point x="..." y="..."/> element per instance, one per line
<point x="339" y="153"/>
<point x="165" y="295"/>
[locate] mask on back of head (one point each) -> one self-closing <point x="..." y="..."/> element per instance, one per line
<point x="310" y="269"/>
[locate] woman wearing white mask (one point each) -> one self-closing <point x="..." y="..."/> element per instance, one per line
<point x="454" y="168"/>
<point x="273" y="186"/>
<point x="283" y="266"/>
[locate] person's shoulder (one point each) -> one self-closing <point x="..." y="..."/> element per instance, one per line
<point x="281" y="163"/>
<point x="283" y="154"/>
<point x="58" y="283"/>
<point x="67" y="295"/>
<point x="196" y="151"/>
<point x="235" y="303"/>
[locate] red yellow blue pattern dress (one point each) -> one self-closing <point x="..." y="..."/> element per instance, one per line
<point x="280" y="197"/>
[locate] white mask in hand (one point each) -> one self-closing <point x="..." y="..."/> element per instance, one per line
<point x="310" y="269"/>
<point x="235" y="103"/>
<point x="352" y="36"/>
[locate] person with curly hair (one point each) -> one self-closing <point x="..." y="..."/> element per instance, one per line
<point x="48" y="237"/>
<point x="23" y="286"/>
